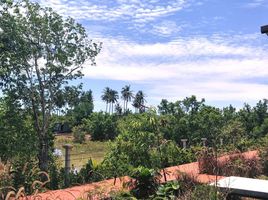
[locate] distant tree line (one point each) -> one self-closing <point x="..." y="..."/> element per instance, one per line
<point x="110" y="97"/>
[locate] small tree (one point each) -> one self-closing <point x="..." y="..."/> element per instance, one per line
<point x="39" y="53"/>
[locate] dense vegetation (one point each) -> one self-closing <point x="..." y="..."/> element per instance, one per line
<point x="142" y="143"/>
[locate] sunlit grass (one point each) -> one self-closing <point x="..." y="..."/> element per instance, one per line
<point x="81" y="153"/>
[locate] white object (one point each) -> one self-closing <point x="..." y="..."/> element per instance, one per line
<point x="248" y="187"/>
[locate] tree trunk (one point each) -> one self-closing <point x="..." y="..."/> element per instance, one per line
<point x="106" y="106"/>
<point x="43" y="152"/>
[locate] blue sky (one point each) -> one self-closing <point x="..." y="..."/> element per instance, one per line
<point x="175" y="48"/>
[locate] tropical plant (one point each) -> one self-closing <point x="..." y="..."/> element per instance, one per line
<point x="118" y="109"/>
<point x="109" y="96"/>
<point x="139" y="101"/>
<point x="105" y="97"/>
<point x="145" y="182"/>
<point x="113" y="98"/>
<point x="170" y="190"/>
<point x="127" y="95"/>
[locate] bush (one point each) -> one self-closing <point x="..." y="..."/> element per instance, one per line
<point x="238" y="165"/>
<point x="5" y="179"/>
<point x="235" y="165"/>
<point x="101" y="126"/>
<point x="90" y="173"/>
<point x="207" y="161"/>
<point x="79" y="134"/>
<point x="145" y="182"/>
<point x="206" y="192"/>
<point x="264" y="160"/>
<point x="170" y="190"/>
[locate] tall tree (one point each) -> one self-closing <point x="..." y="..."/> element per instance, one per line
<point x="163" y="108"/>
<point x="39" y="53"/>
<point x="84" y="108"/>
<point x="127" y="95"/>
<point x="105" y="96"/>
<point x="113" y="98"/>
<point x="139" y="101"/>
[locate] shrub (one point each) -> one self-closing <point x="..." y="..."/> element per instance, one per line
<point x="79" y="134"/>
<point x="5" y="179"/>
<point x="145" y="182"/>
<point x="264" y="160"/>
<point x="206" y="192"/>
<point x="89" y="173"/>
<point x="238" y="165"/>
<point x="122" y="195"/>
<point x="235" y="165"/>
<point x="207" y="161"/>
<point x="101" y="126"/>
<point x="170" y="190"/>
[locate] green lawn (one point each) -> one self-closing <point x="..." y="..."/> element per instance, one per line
<point x="81" y="153"/>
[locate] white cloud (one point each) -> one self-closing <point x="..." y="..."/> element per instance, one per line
<point x="136" y="10"/>
<point x="216" y="69"/>
<point x="165" y="28"/>
<point x="257" y="3"/>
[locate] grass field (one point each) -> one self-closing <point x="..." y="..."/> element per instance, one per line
<point x="81" y="153"/>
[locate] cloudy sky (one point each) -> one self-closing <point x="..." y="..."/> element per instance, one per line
<point x="175" y="48"/>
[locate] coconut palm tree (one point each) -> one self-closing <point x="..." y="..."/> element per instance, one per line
<point x="105" y="97"/>
<point x="113" y="96"/>
<point x="127" y="95"/>
<point x="118" y="109"/>
<point x="139" y="101"/>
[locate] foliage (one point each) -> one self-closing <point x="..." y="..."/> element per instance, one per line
<point x="89" y="173"/>
<point x="122" y="195"/>
<point x="170" y="190"/>
<point x="110" y="96"/>
<point x="264" y="159"/>
<point x="20" y="179"/>
<point x="79" y="134"/>
<point x="38" y="58"/>
<point x="139" y="101"/>
<point x="101" y="126"/>
<point x="234" y="165"/>
<point x="140" y="143"/>
<point x="5" y="179"/>
<point x="83" y="108"/>
<point x="17" y="138"/>
<point x="127" y="96"/>
<point x="145" y="182"/>
<point x="233" y="132"/>
<point x="206" y="192"/>
<point x="207" y="161"/>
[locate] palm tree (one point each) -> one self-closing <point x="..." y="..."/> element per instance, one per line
<point x="135" y="104"/>
<point x="118" y="109"/>
<point x="139" y="101"/>
<point x="113" y="96"/>
<point x="105" y="96"/>
<point x="127" y="95"/>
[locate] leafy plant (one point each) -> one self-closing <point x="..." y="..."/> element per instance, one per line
<point x="170" y="190"/>
<point x="145" y="182"/>
<point x="79" y="134"/>
<point x="101" y="126"/>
